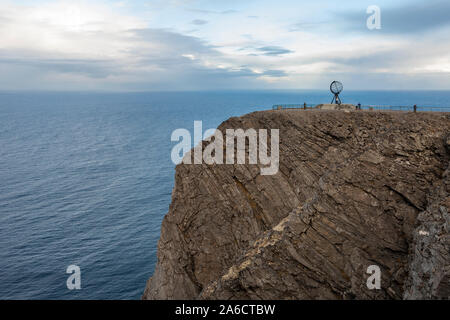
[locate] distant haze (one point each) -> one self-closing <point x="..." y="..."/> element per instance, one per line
<point x="158" y="45"/>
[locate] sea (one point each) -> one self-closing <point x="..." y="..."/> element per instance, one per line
<point x="86" y="179"/>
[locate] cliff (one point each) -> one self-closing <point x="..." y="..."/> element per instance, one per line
<point x="354" y="189"/>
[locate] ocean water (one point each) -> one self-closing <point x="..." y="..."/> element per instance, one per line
<point x="86" y="178"/>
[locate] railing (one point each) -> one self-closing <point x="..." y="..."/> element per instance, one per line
<point x="293" y="106"/>
<point x="413" y="108"/>
<point x="405" y="108"/>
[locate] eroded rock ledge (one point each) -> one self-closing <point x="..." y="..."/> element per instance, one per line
<point x="354" y="189"/>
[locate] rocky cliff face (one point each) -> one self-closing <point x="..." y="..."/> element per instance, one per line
<point x="354" y="189"/>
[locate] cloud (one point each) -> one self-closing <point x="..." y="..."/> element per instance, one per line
<point x="82" y="45"/>
<point x="273" y="50"/>
<point x="304" y="25"/>
<point x="90" y="68"/>
<point x="98" y="53"/>
<point x="228" y="11"/>
<point x="199" y="22"/>
<point x="275" y="73"/>
<point x="213" y="11"/>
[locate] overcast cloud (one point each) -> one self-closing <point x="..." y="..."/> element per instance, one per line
<point x="151" y="45"/>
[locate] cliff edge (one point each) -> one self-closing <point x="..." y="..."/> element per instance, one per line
<point x="354" y="189"/>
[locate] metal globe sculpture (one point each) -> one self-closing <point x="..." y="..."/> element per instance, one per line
<point x="336" y="87"/>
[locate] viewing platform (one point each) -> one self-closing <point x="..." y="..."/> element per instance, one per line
<point x="413" y="108"/>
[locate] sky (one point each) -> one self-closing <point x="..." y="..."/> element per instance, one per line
<point x="159" y="45"/>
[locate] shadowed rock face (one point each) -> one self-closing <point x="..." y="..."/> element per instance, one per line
<point x="354" y="189"/>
